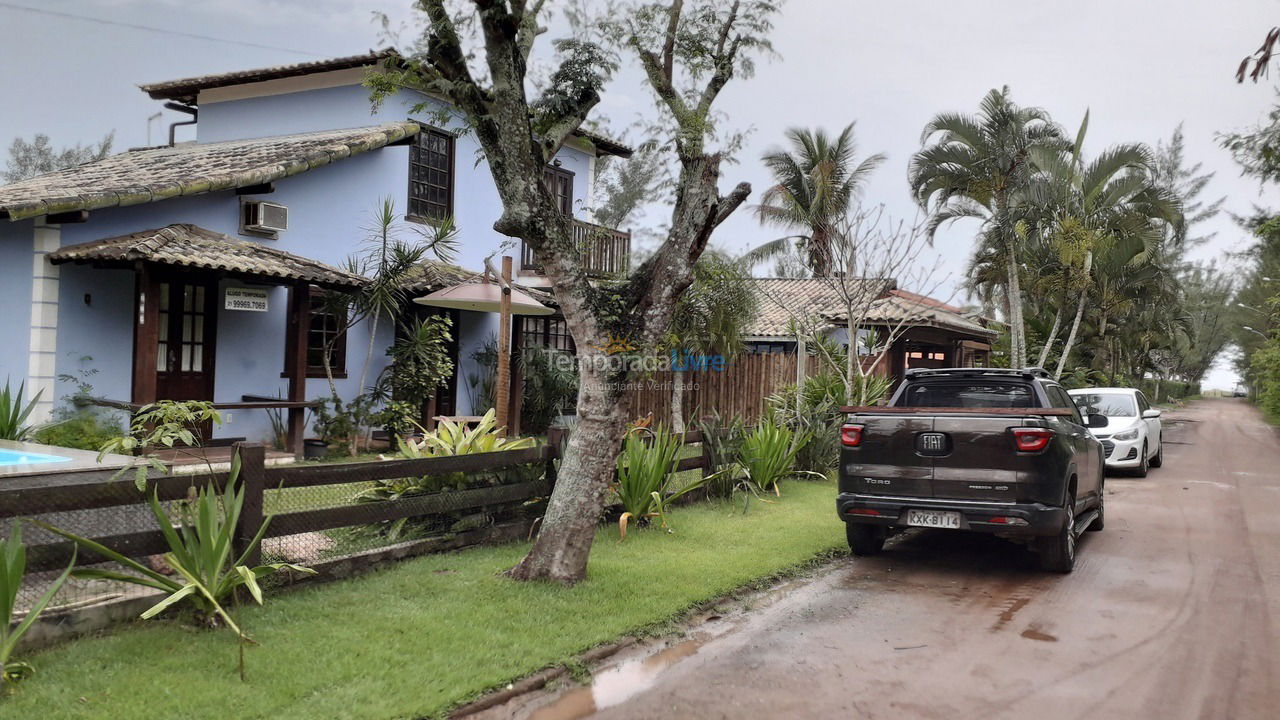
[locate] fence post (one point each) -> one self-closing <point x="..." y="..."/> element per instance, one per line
<point x="252" y="478"/>
<point x="555" y="436"/>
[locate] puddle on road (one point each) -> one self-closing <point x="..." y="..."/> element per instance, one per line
<point x="617" y="684"/>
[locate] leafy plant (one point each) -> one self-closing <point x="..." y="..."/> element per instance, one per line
<point x="164" y="423"/>
<point x="206" y="574"/>
<point x="420" y="363"/>
<point x="14" y="414"/>
<point x="448" y="439"/>
<point x="550" y="387"/>
<point x="722" y="442"/>
<point x="646" y="468"/>
<point x="341" y="424"/>
<point x="85" y="429"/>
<point x="812" y="413"/>
<point x="768" y="455"/>
<point x="80" y="380"/>
<point x="13" y="563"/>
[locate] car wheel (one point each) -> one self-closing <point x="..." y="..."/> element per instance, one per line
<point x="1099" y="522"/>
<point x="1058" y="552"/>
<point x="1143" y="462"/>
<point x="1158" y="459"/>
<point x="865" y="539"/>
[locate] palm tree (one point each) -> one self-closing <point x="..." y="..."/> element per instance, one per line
<point x="979" y="166"/>
<point x="709" y="319"/>
<point x="814" y="185"/>
<point x="1110" y="205"/>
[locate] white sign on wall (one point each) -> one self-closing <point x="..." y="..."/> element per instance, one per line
<point x="247" y="299"/>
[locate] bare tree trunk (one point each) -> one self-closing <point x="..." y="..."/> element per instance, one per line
<point x="568" y="528"/>
<point x="1013" y="293"/>
<point x="1071" y="336"/>
<point x="677" y="401"/>
<point x="1053" y="335"/>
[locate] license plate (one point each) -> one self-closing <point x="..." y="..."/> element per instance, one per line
<point x="934" y="519"/>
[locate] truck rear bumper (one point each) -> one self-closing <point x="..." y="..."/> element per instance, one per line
<point x="1003" y="518"/>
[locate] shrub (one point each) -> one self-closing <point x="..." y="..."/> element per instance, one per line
<point x="722" y="442"/>
<point x="813" y="413"/>
<point x="646" y="468"/>
<point x="550" y="387"/>
<point x="83" y="429"/>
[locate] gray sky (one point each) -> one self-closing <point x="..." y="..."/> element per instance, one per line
<point x="1141" y="67"/>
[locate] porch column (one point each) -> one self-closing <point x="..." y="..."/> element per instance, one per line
<point x="296" y="361"/>
<point x="515" y="401"/>
<point x="146" y="335"/>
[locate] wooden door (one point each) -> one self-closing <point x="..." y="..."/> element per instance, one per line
<point x="186" y="337"/>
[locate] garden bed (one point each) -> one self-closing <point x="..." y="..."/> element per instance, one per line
<point x="428" y="634"/>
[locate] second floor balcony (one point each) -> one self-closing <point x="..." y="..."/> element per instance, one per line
<point x="605" y="251"/>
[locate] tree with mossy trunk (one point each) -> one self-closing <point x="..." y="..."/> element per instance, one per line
<point x="477" y="55"/>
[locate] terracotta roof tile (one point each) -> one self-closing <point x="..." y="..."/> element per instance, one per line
<point x="189" y="246"/>
<point x="143" y="176"/>
<point x="186" y="89"/>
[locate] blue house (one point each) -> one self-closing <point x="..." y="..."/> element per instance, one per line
<point x="192" y="270"/>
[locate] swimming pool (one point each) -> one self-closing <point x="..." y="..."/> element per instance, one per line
<point x="20" y="457"/>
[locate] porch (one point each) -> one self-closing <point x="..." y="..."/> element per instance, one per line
<point x="605" y="251"/>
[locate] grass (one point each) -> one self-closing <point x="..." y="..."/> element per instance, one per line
<point x="427" y="634"/>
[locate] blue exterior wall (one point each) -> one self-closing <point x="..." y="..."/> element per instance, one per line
<point x="15" y="296"/>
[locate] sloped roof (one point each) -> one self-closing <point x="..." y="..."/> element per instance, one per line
<point x="142" y="176"/>
<point x="429" y="276"/>
<point x="781" y="299"/>
<point x="190" y="246"/>
<point x="187" y="90"/>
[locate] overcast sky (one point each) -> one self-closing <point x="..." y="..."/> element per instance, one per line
<point x="1140" y="67"/>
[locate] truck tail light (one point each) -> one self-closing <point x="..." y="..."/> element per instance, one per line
<point x="1031" y="439"/>
<point x="851" y="435"/>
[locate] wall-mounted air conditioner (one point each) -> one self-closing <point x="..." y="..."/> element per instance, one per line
<point x="265" y="217"/>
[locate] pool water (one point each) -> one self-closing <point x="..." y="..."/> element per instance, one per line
<point x="18" y="457"/>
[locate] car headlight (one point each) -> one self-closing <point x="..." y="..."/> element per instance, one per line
<point x="1127" y="435"/>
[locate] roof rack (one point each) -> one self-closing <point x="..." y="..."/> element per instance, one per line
<point x="1028" y="372"/>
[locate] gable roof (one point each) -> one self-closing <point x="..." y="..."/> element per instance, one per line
<point x="781" y="299"/>
<point x="187" y="90"/>
<point x="142" y="176"/>
<point x="190" y="246"/>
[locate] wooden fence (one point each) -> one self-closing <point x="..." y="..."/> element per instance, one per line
<point x="738" y="390"/>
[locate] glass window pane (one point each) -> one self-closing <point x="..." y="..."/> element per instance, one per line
<point x="163" y="326"/>
<point x="186" y="357"/>
<point x="199" y="330"/>
<point x="186" y="298"/>
<point x="164" y="296"/>
<point x="200" y="298"/>
<point x="162" y="357"/>
<point x="197" y="358"/>
<point x="186" y="328"/>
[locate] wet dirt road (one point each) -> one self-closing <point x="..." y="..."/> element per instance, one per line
<point x="1172" y="612"/>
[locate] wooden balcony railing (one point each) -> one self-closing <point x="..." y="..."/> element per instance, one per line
<point x="605" y="251"/>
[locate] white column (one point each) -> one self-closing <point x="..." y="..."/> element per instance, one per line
<point x="42" y="348"/>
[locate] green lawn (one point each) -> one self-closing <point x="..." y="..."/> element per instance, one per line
<point x="426" y="634"/>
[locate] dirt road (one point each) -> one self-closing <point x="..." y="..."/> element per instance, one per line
<point x="1172" y="612"/>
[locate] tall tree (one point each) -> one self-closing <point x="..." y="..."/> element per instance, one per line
<point x="1187" y="183"/>
<point x="979" y="166"/>
<point x="688" y="56"/>
<point x="709" y="320"/>
<point x="28" y="159"/>
<point x="815" y="183"/>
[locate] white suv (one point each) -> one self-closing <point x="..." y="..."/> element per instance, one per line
<point x="1131" y="439"/>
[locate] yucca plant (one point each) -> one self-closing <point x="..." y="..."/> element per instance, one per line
<point x="768" y="455"/>
<point x="13" y="563"/>
<point x="646" y="468"/>
<point x="200" y="553"/>
<point x="14" y="414"/>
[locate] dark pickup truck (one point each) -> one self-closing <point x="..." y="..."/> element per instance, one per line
<point x="986" y="450"/>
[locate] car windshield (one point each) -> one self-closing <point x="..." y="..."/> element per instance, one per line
<point x="1108" y="404"/>
<point x="968" y="395"/>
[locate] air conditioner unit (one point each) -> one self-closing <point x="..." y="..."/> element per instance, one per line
<point x="265" y="217"/>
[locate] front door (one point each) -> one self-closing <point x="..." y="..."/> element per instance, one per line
<point x="185" y="352"/>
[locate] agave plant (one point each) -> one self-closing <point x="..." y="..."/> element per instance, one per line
<point x="646" y="468"/>
<point x="14" y="414"/>
<point x="13" y="562"/>
<point x="200" y="553"/>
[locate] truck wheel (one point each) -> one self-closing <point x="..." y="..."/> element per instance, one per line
<point x="1058" y="552"/>
<point x="864" y="539"/>
<point x="1099" y="522"/>
<point x="1141" y="470"/>
<point x="1158" y="460"/>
